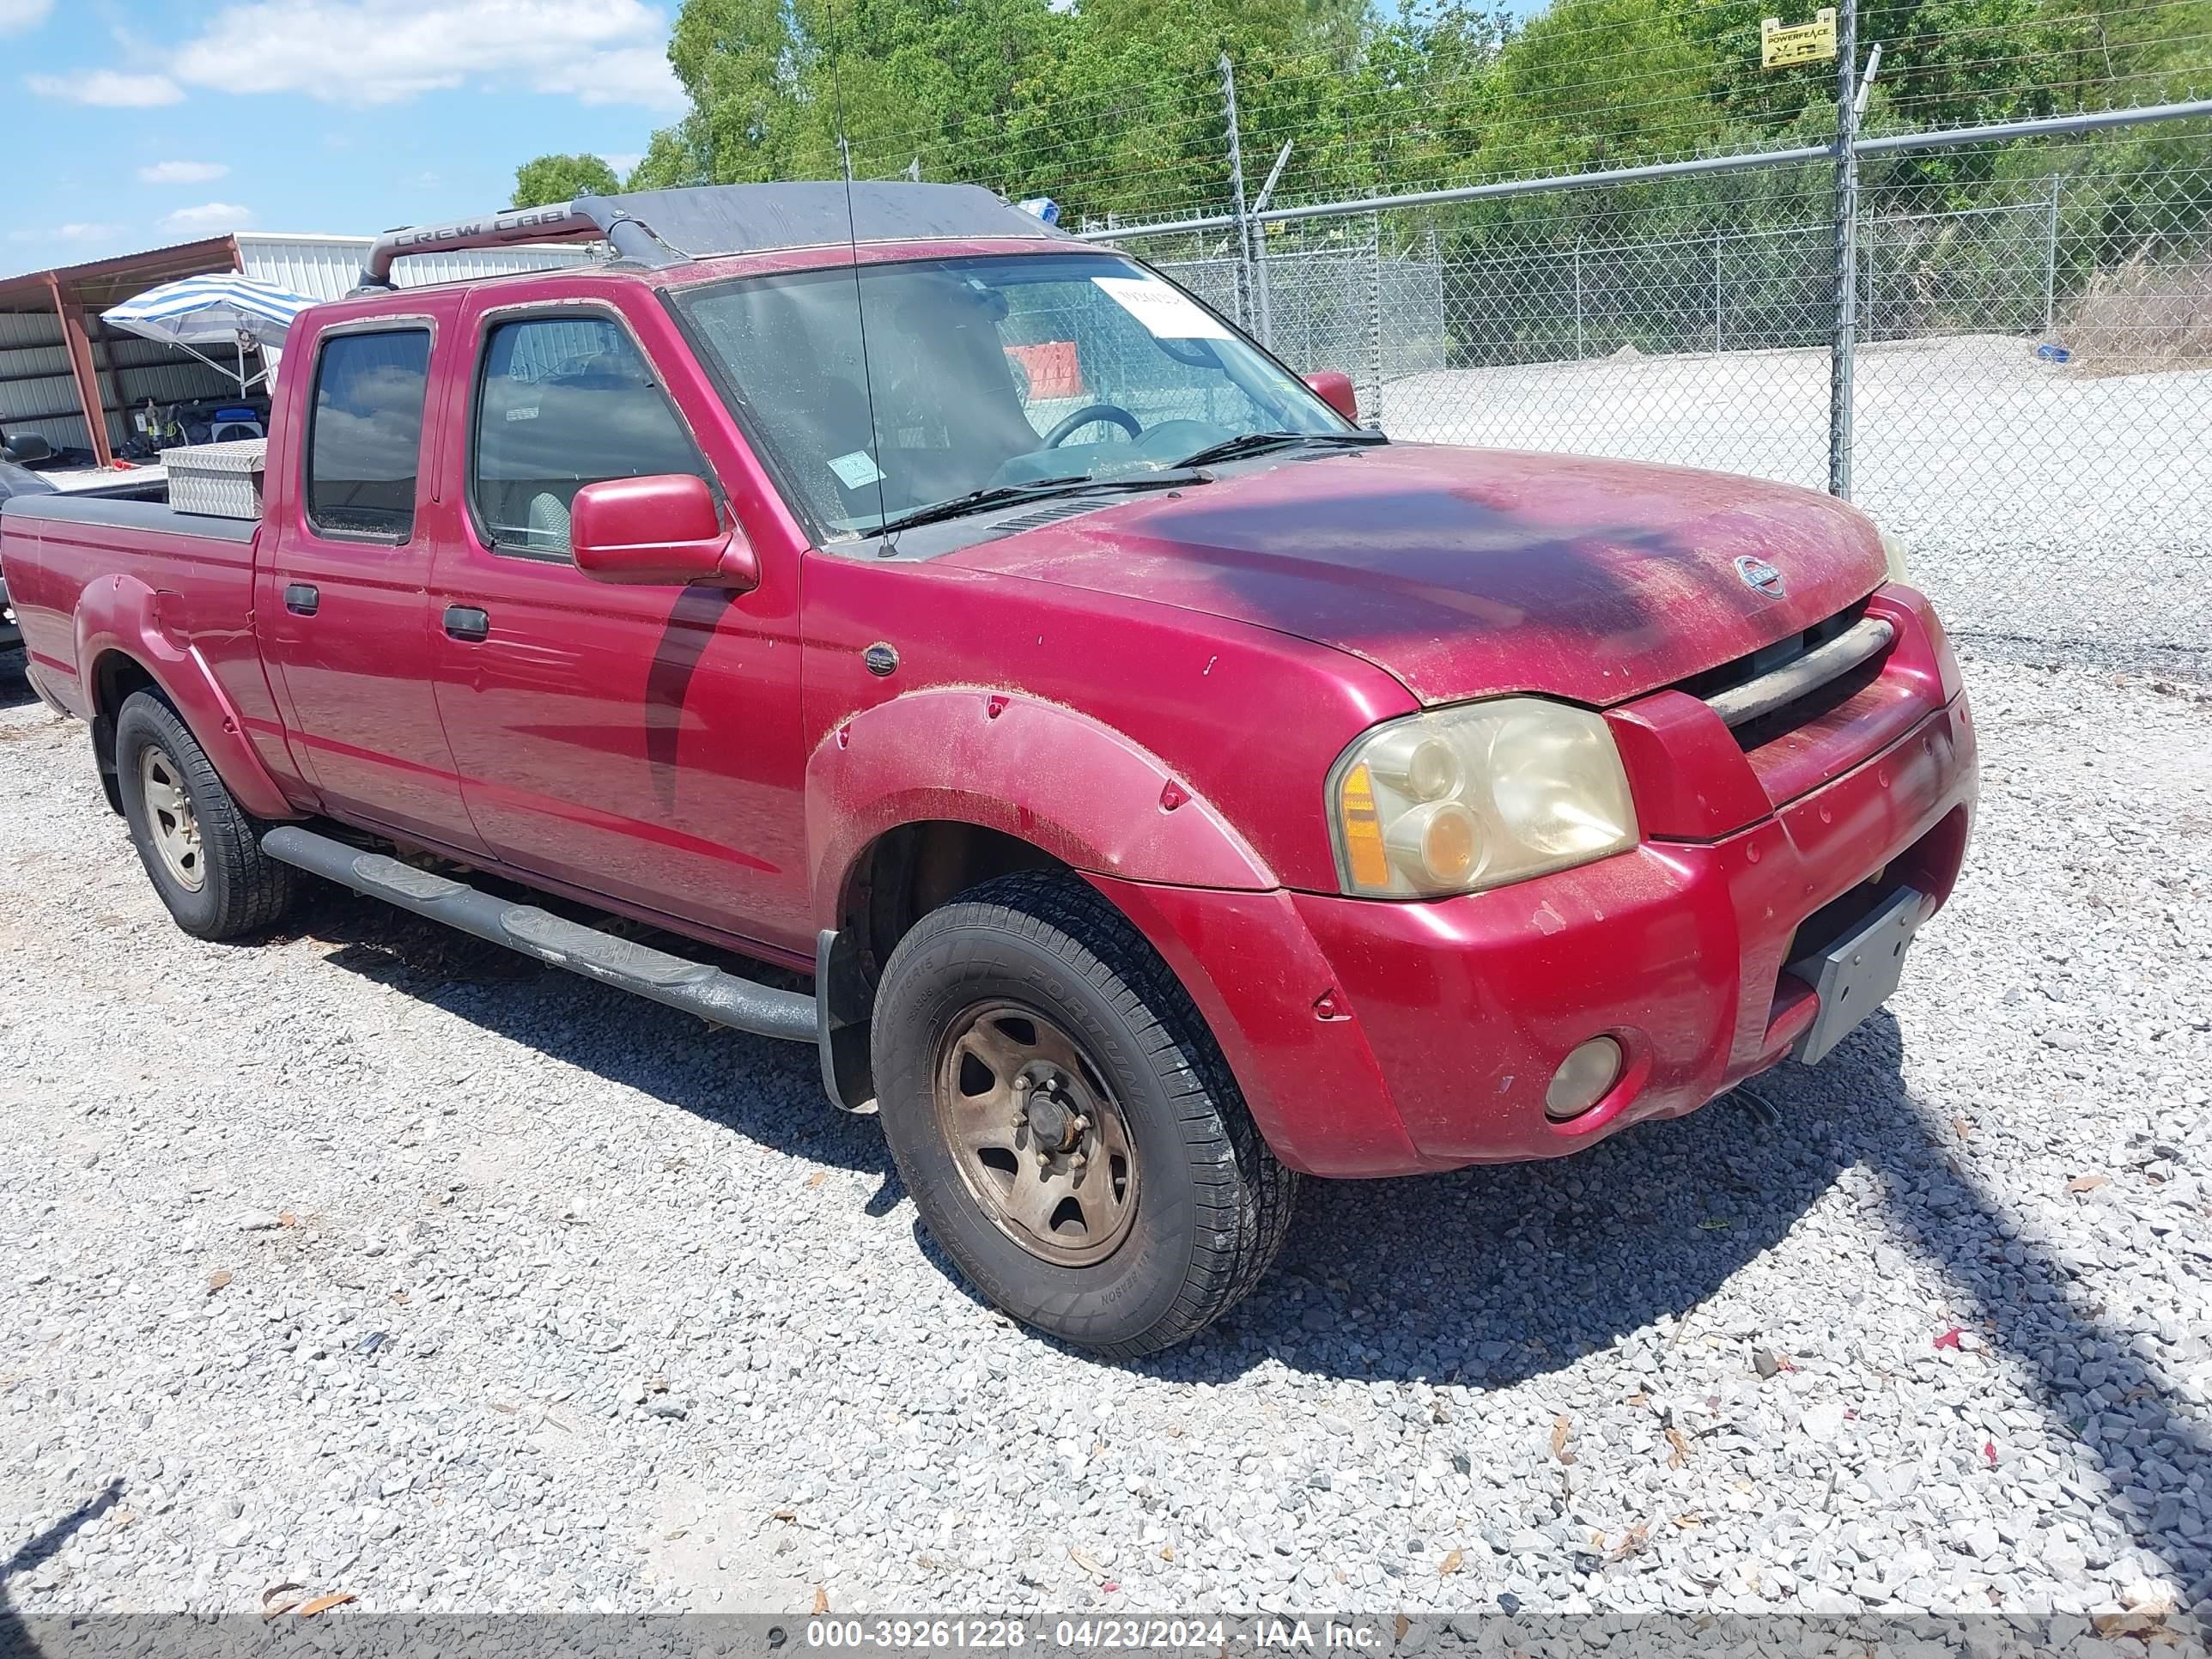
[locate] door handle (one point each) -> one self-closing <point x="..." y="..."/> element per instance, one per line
<point x="302" y="599"/>
<point x="465" y="622"/>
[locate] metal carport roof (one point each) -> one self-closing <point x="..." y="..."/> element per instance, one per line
<point x="58" y="365"/>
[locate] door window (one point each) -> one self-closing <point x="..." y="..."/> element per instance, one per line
<point x="365" y="433"/>
<point x="564" y="402"/>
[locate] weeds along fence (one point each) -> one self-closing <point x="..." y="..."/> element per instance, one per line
<point x="2020" y="384"/>
<point x="1952" y="270"/>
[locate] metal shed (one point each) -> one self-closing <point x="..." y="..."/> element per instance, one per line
<point x="72" y="381"/>
<point x="327" y="267"/>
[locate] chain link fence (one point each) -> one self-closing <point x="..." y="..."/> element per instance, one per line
<point x="2032" y="405"/>
<point x="1378" y="316"/>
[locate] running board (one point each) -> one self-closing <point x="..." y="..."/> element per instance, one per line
<point x="694" y="986"/>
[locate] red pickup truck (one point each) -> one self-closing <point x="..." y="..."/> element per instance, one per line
<point x="1166" y="786"/>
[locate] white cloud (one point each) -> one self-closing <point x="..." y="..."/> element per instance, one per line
<point x="79" y="231"/>
<point x="208" y="217"/>
<point x="109" y="88"/>
<point x="631" y="74"/>
<point x="382" y="52"/>
<point x="17" y="15"/>
<point x="183" y="172"/>
<point x="623" y="161"/>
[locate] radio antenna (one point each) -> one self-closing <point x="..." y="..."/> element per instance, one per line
<point x="852" y="242"/>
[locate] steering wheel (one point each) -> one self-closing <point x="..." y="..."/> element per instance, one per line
<point x="1062" y="430"/>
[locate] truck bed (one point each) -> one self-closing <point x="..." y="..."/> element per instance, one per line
<point x="140" y="484"/>
<point x="55" y="549"/>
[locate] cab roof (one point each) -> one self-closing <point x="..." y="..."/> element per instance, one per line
<point x="656" y="230"/>
<point x="708" y="221"/>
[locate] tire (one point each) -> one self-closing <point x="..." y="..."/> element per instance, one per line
<point x="239" y="888"/>
<point x="1202" y="1205"/>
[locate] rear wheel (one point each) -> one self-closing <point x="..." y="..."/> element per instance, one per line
<point x="1065" y="1123"/>
<point x="202" y="851"/>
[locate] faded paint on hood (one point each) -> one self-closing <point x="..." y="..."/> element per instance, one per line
<point x="1468" y="571"/>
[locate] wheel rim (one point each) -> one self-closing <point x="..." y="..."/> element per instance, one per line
<point x="170" y="819"/>
<point x="1041" y="1142"/>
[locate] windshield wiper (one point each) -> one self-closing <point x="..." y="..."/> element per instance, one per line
<point x="979" y="501"/>
<point x="1258" y="443"/>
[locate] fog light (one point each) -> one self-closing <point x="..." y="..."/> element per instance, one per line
<point x="1583" y="1079"/>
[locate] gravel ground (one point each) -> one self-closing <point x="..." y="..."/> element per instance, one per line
<point x="2048" y="507"/>
<point x="370" y="1262"/>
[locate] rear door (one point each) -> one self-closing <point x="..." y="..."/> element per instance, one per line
<point x="341" y="600"/>
<point x="638" y="743"/>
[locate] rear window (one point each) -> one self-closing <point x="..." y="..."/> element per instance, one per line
<point x="365" y="436"/>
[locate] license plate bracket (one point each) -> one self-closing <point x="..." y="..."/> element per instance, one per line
<point x="1858" y="973"/>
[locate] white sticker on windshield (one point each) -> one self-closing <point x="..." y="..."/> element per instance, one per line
<point x="1166" y="313"/>
<point x="856" y="469"/>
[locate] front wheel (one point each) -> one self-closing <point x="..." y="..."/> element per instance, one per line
<point x="202" y="850"/>
<point x="1065" y="1123"/>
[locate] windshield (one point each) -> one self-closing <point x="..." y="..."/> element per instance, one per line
<point x="980" y="374"/>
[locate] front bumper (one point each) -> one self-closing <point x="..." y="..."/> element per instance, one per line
<point x="1377" y="1038"/>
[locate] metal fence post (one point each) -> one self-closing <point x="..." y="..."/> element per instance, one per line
<point x="1376" y="318"/>
<point x="1580" y="350"/>
<point x="1870" y="327"/>
<point x="1717" y="290"/>
<point x="1236" y="192"/>
<point x="1844" y="340"/>
<point x="1263" y="296"/>
<point x="1443" y="324"/>
<point x="2050" y="260"/>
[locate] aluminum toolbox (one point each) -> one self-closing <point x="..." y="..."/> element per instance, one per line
<point x="222" y="481"/>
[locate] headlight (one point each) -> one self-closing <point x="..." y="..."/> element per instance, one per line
<point x="1474" y="797"/>
<point x="1892" y="555"/>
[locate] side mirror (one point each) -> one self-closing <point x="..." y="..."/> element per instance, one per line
<point x="1335" y="389"/>
<point x="26" y="446"/>
<point x="661" y="531"/>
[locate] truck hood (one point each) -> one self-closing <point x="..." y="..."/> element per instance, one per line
<point x="1468" y="571"/>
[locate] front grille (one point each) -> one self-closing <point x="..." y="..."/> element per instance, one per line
<point x="1806" y="708"/>
<point x="1806" y="704"/>
<point x="1731" y="675"/>
<point x="1775" y="690"/>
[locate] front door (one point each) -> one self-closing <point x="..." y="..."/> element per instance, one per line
<point x="639" y="743"/>
<point x="340" y="600"/>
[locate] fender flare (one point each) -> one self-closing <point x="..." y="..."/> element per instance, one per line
<point x="1064" y="782"/>
<point x="121" y="615"/>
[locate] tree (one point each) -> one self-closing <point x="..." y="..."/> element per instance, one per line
<point x="1114" y="106"/>
<point x="1109" y="105"/>
<point x="562" y="179"/>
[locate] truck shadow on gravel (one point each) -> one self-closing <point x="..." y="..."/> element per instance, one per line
<point x="35" y="1551"/>
<point x="1493" y="1276"/>
<point x="769" y="1091"/>
<point x="15" y="689"/>
<point x="1485" y="1277"/>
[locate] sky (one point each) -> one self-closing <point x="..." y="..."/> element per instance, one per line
<point x="134" y="124"/>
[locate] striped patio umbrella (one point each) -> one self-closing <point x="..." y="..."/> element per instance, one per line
<point x="222" y="309"/>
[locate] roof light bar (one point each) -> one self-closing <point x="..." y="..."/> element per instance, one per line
<point x="556" y="221"/>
